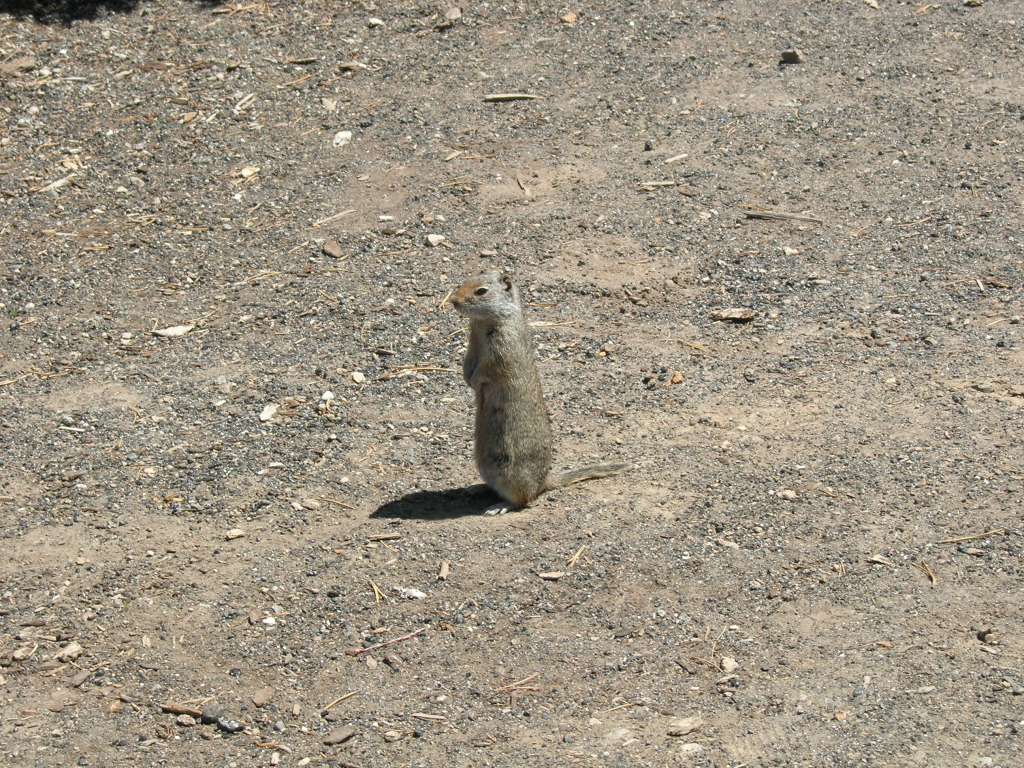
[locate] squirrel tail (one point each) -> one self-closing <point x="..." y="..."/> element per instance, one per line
<point x="593" y="472"/>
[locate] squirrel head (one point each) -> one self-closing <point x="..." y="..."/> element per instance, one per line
<point x="490" y="296"/>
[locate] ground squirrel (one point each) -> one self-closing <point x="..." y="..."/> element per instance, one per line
<point x="512" y="444"/>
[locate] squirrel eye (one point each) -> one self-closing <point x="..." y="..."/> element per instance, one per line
<point x="480" y="291"/>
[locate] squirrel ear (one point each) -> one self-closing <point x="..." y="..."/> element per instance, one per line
<point x="507" y="281"/>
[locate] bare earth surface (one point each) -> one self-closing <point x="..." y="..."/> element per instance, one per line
<point x="817" y="560"/>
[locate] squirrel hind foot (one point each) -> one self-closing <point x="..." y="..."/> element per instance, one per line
<point x="499" y="509"/>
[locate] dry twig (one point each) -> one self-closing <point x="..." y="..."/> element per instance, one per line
<point x="518" y="685"/>
<point x="358" y="651"/>
<point x="993" y="532"/>
<point x="378" y="596"/>
<point x="335" y="217"/>
<point x="340" y="699"/>
<point x="574" y="558"/>
<point x="779" y="216"/>
<point x="511" y="96"/>
<point x="923" y="568"/>
<point x="329" y="500"/>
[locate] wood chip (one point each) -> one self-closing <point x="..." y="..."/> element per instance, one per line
<point x="69" y="652"/>
<point x="443" y="571"/>
<point x="881" y="560"/>
<point x="263" y="696"/>
<point x="18" y="65"/>
<point x="427" y="716"/>
<point x="384" y="537"/>
<point x="174" y="330"/>
<point x="234" y="533"/>
<point x="53" y="185"/>
<point x="511" y="96"/>
<point x="734" y="315"/>
<point x="686" y="725"/>
<point x="778" y="216"/>
<point x="181" y="709"/>
<point x="340" y="735"/>
<point x="551" y="575"/>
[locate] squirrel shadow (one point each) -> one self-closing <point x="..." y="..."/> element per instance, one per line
<point x="439" y="505"/>
<point x="68" y="11"/>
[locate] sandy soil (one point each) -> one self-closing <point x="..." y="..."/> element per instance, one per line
<point x="817" y="560"/>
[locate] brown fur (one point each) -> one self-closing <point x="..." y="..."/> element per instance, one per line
<point x="513" y="440"/>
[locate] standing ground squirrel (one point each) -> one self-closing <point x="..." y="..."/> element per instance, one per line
<point x="512" y="443"/>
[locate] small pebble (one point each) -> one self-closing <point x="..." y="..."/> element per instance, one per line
<point x="228" y="725"/>
<point x="691" y="750"/>
<point x="340" y="735"/>
<point x="618" y="734"/>
<point x="211" y="713"/>
<point x="685" y="725"/>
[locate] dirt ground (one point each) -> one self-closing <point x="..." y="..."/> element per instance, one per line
<point x="236" y="444"/>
